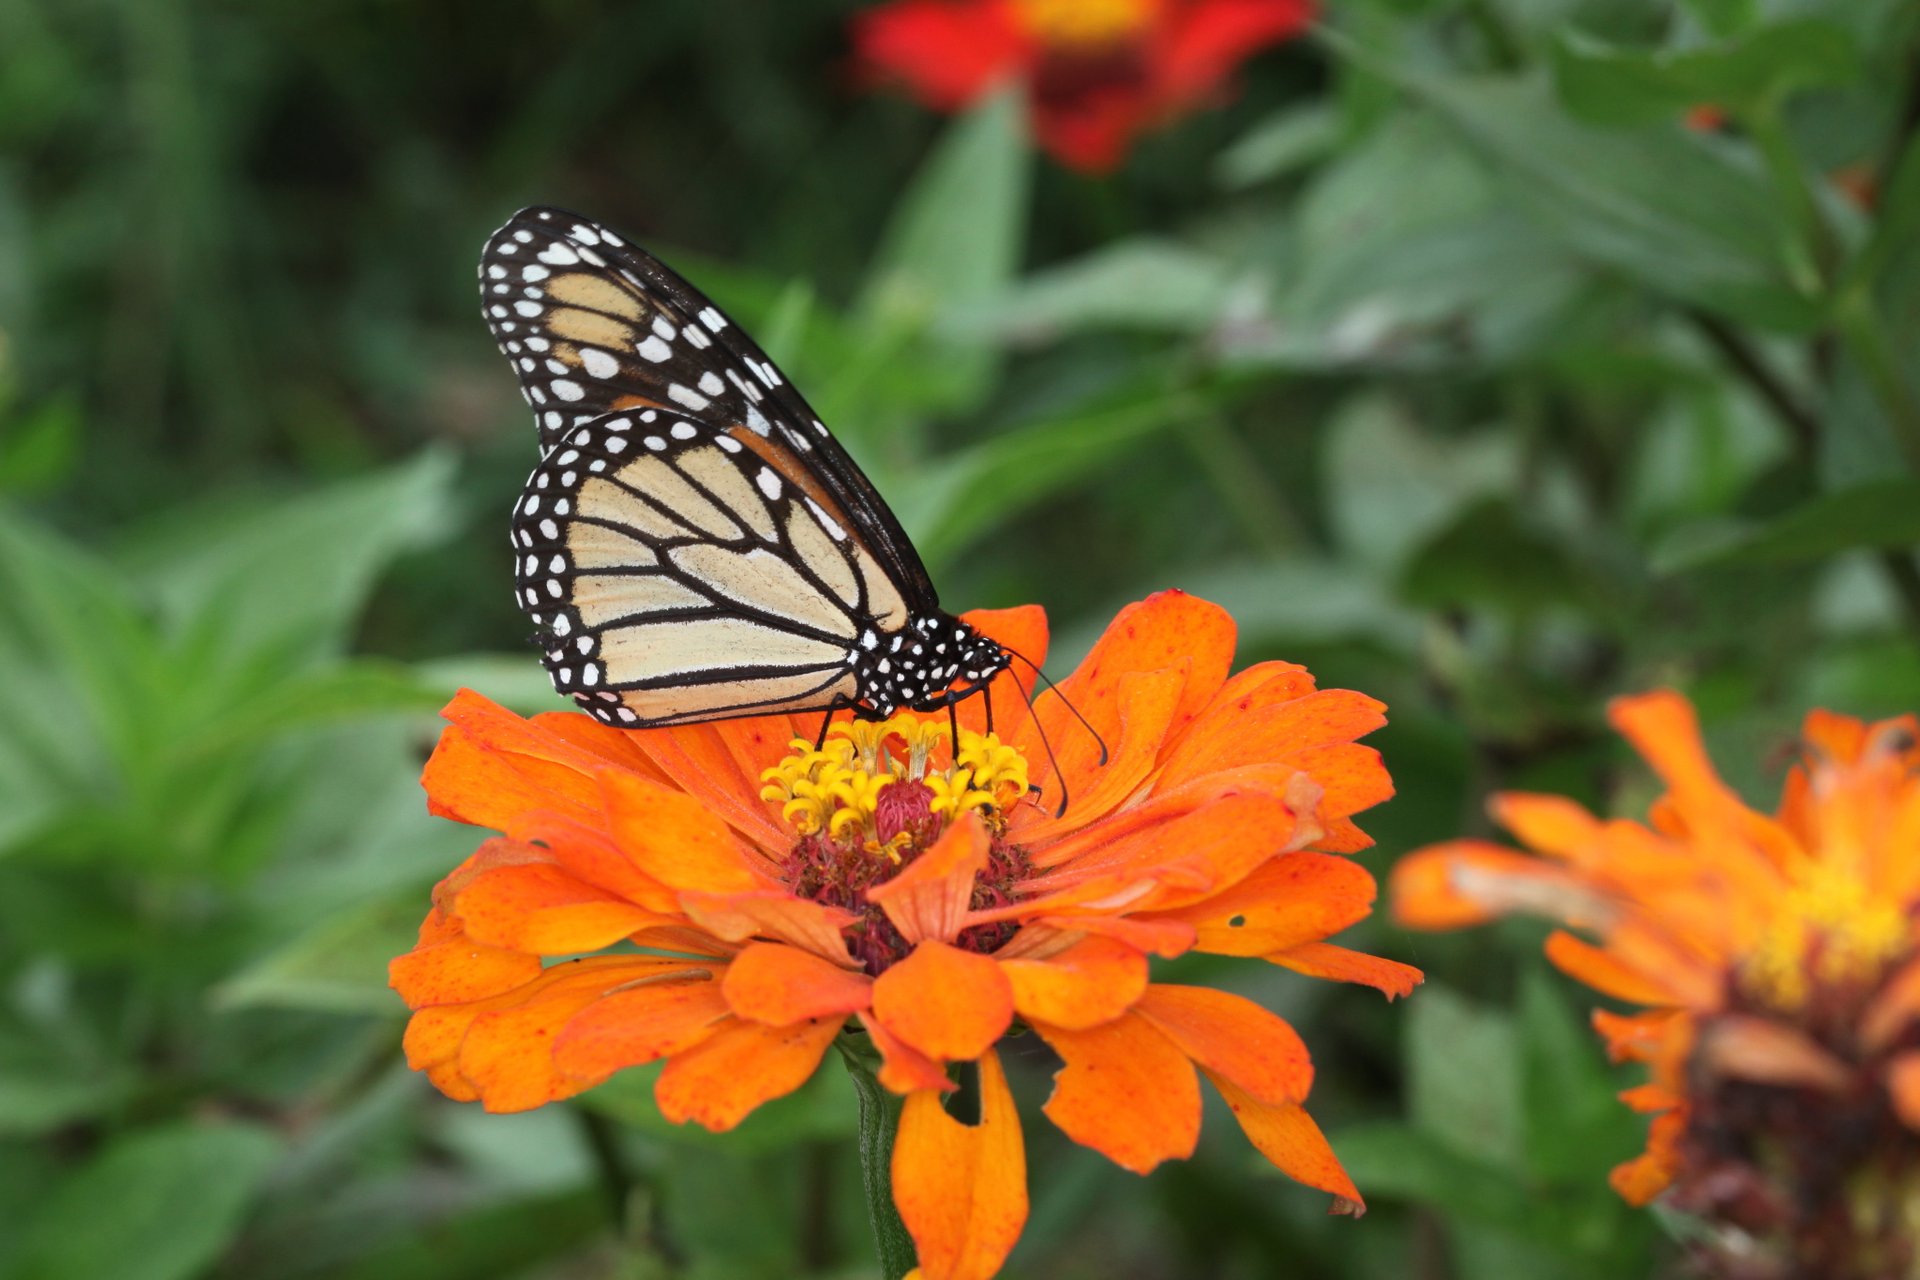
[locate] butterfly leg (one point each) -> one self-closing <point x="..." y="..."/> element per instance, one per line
<point x="826" y="722"/>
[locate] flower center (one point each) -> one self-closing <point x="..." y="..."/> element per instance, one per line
<point x="1833" y="933"/>
<point x="873" y="797"/>
<point x="1082" y="23"/>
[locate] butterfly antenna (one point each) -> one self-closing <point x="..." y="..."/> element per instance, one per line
<point x="1064" y="701"/>
<point x="1047" y="746"/>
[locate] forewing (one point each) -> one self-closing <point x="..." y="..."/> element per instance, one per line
<point x="676" y="575"/>
<point x="594" y="325"/>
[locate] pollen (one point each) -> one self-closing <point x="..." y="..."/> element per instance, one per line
<point x="1831" y="932"/>
<point x="1084" y="22"/>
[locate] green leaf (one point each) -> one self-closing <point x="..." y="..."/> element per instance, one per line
<point x="339" y="966"/>
<point x="39" y="448"/>
<point x="1725" y="17"/>
<point x="1396" y="1161"/>
<point x="1576" y="1128"/>
<point x="1463" y="1084"/>
<point x="1609" y="85"/>
<point x="955" y="239"/>
<point x="1143" y="284"/>
<point x="1489" y="556"/>
<point x="160" y="1205"/>
<point x="285" y="581"/>
<point x="953" y="500"/>
<point x="1673" y="211"/>
<point x="1881" y="514"/>
<point x="490" y="1240"/>
<point x="1278" y="145"/>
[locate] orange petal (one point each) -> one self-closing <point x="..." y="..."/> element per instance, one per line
<point x="1285" y="1134"/>
<point x="1089" y="982"/>
<point x="719" y="764"/>
<point x="491" y="767"/>
<point x="1662" y="727"/>
<point x="1351" y="777"/>
<point x="737" y="917"/>
<point x="435" y="1034"/>
<point x="1903" y="1087"/>
<point x="719" y="1081"/>
<point x="542" y="909"/>
<point x="1168" y="631"/>
<point x="1290" y="900"/>
<point x="1164" y="938"/>
<point x="1342" y="836"/>
<point x="1645" y="1176"/>
<point x="1466" y="882"/>
<point x="641" y="1024"/>
<point x="1637" y="1037"/>
<point x="777" y="984"/>
<point x="903" y="1068"/>
<point x="945" y="1002"/>
<point x="1602" y="971"/>
<point x="447" y="967"/>
<point x="1549" y="824"/>
<point x="1021" y="630"/>
<point x="1325" y="960"/>
<point x="1140" y="710"/>
<point x="1126" y="1091"/>
<point x="1271" y="731"/>
<point x="1650" y="1098"/>
<point x="672" y="838"/>
<point x="929" y="899"/>
<point x="1231" y="1037"/>
<point x="1262" y="684"/>
<point x="962" y="1189"/>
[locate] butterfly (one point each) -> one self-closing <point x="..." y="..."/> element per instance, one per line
<point x="694" y="544"/>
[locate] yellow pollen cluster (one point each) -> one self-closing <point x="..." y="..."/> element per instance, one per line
<point x="1084" y="22"/>
<point x="837" y="788"/>
<point x="1832" y="932"/>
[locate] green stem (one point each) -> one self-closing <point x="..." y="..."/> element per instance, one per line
<point x="879" y="1118"/>
<point x="1811" y="250"/>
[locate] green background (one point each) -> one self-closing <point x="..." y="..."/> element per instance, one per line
<point x="1446" y="357"/>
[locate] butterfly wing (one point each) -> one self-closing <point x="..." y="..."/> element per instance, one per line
<point x="676" y="575"/>
<point x="594" y="325"/>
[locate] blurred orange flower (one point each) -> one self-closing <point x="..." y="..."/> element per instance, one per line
<point x="1097" y="72"/>
<point x="880" y="888"/>
<point x="1775" y="956"/>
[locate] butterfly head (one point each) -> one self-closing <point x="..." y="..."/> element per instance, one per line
<point x="933" y="661"/>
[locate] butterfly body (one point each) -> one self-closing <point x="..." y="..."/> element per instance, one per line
<point x="694" y="544"/>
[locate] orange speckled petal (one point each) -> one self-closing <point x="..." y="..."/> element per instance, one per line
<point x="903" y="1068"/>
<point x="945" y="1002"/>
<point x="718" y="1083"/>
<point x="1095" y="980"/>
<point x="1232" y="1037"/>
<point x="448" y="967"/>
<point x="1126" y="1091"/>
<point x="641" y="1024"/>
<point x="777" y="984"/>
<point x="1270" y="732"/>
<point x="1288" y="901"/>
<point x="1169" y="630"/>
<point x="1021" y="630"/>
<point x="1285" y="1134"/>
<point x="737" y="917"/>
<point x="962" y="1189"/>
<point x="675" y="840"/>
<point x="1339" y="964"/>
<point x="541" y="909"/>
<point x="719" y="765"/>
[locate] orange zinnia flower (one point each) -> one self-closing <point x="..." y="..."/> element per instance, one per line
<point x="1097" y="72"/>
<point x="781" y="896"/>
<point x="1776" y="959"/>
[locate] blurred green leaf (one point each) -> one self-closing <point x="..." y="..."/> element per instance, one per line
<point x="1489" y="557"/>
<point x="491" y="1240"/>
<point x="39" y="447"/>
<point x="339" y="966"/>
<point x="1397" y="1161"/>
<point x="1611" y="86"/>
<point x="1725" y="17"/>
<point x="1574" y="1121"/>
<point x="159" y="1205"/>
<point x="1463" y="1079"/>
<point x="954" y="239"/>
<point x="952" y="500"/>
<point x="286" y="581"/>
<point x="1143" y="283"/>
<point x="1278" y="145"/>
<point x="1882" y="514"/>
<point x="1670" y="209"/>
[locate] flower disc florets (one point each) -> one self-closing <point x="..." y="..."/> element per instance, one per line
<point x="873" y="797"/>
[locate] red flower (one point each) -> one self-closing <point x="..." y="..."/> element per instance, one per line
<point x="1097" y="72"/>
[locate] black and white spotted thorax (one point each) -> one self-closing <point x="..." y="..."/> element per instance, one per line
<point x="935" y="660"/>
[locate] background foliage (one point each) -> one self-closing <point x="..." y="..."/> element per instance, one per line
<point x="1462" y="357"/>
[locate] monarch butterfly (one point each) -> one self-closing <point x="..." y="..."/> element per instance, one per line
<point x="695" y="545"/>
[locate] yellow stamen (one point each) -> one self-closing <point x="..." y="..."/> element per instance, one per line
<point x="1831" y="932"/>
<point x="1084" y="22"/>
<point x="836" y="788"/>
